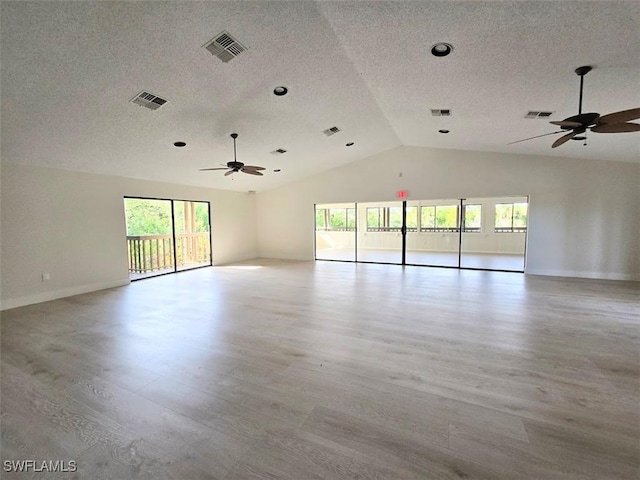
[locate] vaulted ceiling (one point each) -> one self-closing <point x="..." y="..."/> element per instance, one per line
<point x="70" y="69"/>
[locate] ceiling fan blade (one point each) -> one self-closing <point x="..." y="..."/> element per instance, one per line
<point x="219" y="168"/>
<point x="620" y="117"/>
<point x="537" y="136"/>
<point x="251" y="172"/>
<point x="253" y="167"/>
<point x="230" y="172"/>
<point x="566" y="138"/>
<point x="616" y="128"/>
<point x="565" y="123"/>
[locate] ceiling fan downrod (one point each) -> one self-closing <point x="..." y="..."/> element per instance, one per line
<point x="234" y="136"/>
<point x="582" y="71"/>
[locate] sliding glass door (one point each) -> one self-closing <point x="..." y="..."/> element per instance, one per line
<point x="336" y="231"/>
<point x="436" y="240"/>
<point x="474" y="233"/>
<point x="494" y="233"/>
<point x="149" y="237"/>
<point x="379" y="232"/>
<point x="164" y="236"/>
<point x="192" y="236"/>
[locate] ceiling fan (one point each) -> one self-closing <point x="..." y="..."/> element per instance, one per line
<point x="577" y="125"/>
<point x="237" y="166"/>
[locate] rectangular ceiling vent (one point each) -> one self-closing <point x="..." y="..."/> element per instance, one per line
<point x="149" y="100"/>
<point x="331" y="131"/>
<point x="279" y="151"/>
<point x="225" y="47"/>
<point x="441" y="112"/>
<point x="538" y="114"/>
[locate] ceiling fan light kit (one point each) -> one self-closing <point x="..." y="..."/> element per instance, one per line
<point x="576" y="125"/>
<point x="236" y="166"/>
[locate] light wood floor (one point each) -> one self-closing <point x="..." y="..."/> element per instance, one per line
<point x="301" y="370"/>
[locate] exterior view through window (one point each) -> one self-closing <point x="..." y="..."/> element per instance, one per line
<point x="165" y="236"/>
<point x="478" y="233"/>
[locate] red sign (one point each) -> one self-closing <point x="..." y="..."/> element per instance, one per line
<point x="402" y="194"/>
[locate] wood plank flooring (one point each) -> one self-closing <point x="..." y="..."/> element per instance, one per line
<point x="298" y="370"/>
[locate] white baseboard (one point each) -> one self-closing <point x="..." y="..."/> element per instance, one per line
<point x="280" y="256"/>
<point x="630" y="277"/>
<point x="55" y="294"/>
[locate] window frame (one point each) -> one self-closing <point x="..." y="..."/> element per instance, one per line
<point x="326" y="217"/>
<point x="384" y="220"/>
<point x="434" y="228"/>
<point x="464" y="211"/>
<point x="510" y="229"/>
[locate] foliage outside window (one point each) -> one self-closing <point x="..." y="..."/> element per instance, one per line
<point x="412" y="219"/>
<point x="472" y="218"/>
<point x="439" y="218"/>
<point x="336" y="219"/>
<point x="153" y="217"/>
<point x="321" y="217"/>
<point x="511" y="217"/>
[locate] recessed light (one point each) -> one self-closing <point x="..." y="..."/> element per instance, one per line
<point x="350" y="144"/>
<point x="441" y="49"/>
<point x="277" y="170"/>
<point x="443" y="131"/>
<point x="280" y="91"/>
<point x="179" y="144"/>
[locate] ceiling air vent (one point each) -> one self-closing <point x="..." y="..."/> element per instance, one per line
<point x="331" y="131"/>
<point x="149" y="100"/>
<point x="279" y="151"/>
<point x="537" y="114"/>
<point x="225" y="47"/>
<point x="441" y="112"/>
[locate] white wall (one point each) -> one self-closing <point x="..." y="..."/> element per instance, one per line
<point x="72" y="226"/>
<point x="583" y="214"/>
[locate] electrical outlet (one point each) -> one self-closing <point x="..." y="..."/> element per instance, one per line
<point x="46" y="277"/>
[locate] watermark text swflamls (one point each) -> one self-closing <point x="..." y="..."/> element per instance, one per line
<point x="61" y="466"/>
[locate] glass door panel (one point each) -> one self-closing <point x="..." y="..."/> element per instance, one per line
<point x="192" y="230"/>
<point x="434" y="240"/>
<point x="379" y="232"/>
<point x="494" y="233"/>
<point x="335" y="232"/>
<point x="149" y="237"/>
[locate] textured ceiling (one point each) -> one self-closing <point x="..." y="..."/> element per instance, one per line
<point x="69" y="70"/>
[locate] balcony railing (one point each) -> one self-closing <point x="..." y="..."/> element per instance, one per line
<point x="152" y="253"/>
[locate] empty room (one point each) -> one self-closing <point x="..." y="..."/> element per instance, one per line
<point x="320" y="240"/>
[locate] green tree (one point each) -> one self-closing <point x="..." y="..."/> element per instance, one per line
<point x="147" y="217"/>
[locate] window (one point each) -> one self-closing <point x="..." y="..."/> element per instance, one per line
<point x="394" y="215"/>
<point x="439" y="218"/>
<point x="412" y="219"/>
<point x="373" y="219"/>
<point x="321" y="218"/>
<point x="472" y="218"/>
<point x="511" y="217"/>
<point x="336" y="219"/>
<point x="389" y="219"/>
